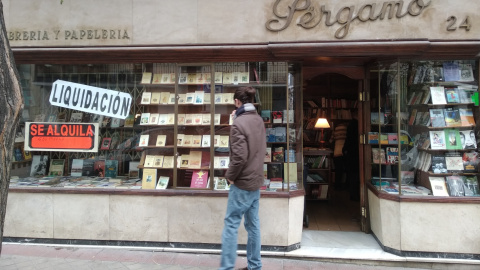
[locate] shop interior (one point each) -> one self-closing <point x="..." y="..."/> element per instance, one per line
<point x="332" y="185"/>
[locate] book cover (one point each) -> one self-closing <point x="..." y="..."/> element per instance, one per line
<point x="162" y="182"/>
<point x="206" y="140"/>
<point x="288" y="116"/>
<point x="99" y="168"/>
<point x="196" y="140"/>
<point x="280" y="134"/>
<point x="199" y="179"/>
<point x="157" y="78"/>
<point x="161" y="140"/>
<point x="277" y="117"/>
<point x="188" y="119"/>
<point x="278" y="154"/>
<point x="190" y="97"/>
<point x="188" y="140"/>
<point x="143" y="140"/>
<point x="470" y="186"/>
<point x="290" y="170"/>
<point x="454" y="162"/>
<point x="466" y="117"/>
<point x="378" y="156"/>
<point x="199" y="96"/>
<point x="466" y="73"/>
<point x="224" y="140"/>
<point x="383" y="138"/>
<point x="39" y="165"/>
<point x="268" y="155"/>
<point x="467" y="139"/>
<point x="153" y="120"/>
<point x="158" y="161"/>
<point x="191" y="78"/>
<point x="227" y="78"/>
<point x="206" y="119"/>
<point x="266" y="114"/>
<point x="149" y="161"/>
<point x="181" y="119"/>
<point x="133" y="169"/>
<point x="146" y="98"/>
<point x="218" y="98"/>
<point x="377" y="118"/>
<point x="182" y="78"/>
<point x="184" y="161"/>
<point x="129" y="121"/>
<point x="466" y="95"/>
<point x="155" y="99"/>
<point x="437" y="93"/>
<point x="392" y="138"/>
<point x="218" y="77"/>
<point x="373" y="138"/>
<point x="392" y="155"/>
<point x="452" y="95"/>
<point x="88" y="167"/>
<point x="220" y="183"/>
<point x="453" y="141"/>
<point x="437" y="118"/>
<point x="77" y="165"/>
<point x="116" y="122"/>
<point x="413" y="116"/>
<point x="223" y="162"/>
<point x="275" y="171"/>
<point x="455" y="186"/>
<point x="437" y="139"/>
<point x="452" y="117"/>
<point x="451" y="71"/>
<point x="144" y="118"/>
<point x="106" y="143"/>
<point x="438" y="164"/>
<point x="56" y="167"/>
<point x="216" y="119"/>
<point x="182" y="98"/>
<point x="146" y="78"/>
<point x="197" y="119"/>
<point x="438" y="185"/>
<point x="149" y="178"/>
<point x="180" y="139"/>
<point x="111" y="168"/>
<point x="470" y="161"/>
<point x="168" y="162"/>
<point x="162" y="119"/>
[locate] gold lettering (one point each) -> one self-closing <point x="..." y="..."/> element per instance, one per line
<point x="18" y="36"/>
<point x="74" y="34"/>
<point x="82" y="34"/>
<point x="11" y="35"/>
<point x="104" y="34"/>
<point x="67" y="34"/>
<point x="112" y="34"/>
<point x="25" y="35"/>
<point x="32" y="35"/>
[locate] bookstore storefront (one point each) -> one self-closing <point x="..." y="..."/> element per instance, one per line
<point x="124" y="136"/>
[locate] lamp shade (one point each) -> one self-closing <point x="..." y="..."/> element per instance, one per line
<point x="322" y="123"/>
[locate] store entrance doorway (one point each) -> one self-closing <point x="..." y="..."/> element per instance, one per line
<point x="333" y="96"/>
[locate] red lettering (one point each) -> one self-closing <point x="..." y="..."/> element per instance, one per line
<point x="40" y="130"/>
<point x="89" y="131"/>
<point x="50" y="131"/>
<point x="56" y="131"/>
<point x="64" y="130"/>
<point x="33" y="130"/>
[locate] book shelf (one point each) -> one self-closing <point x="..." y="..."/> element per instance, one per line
<point x="318" y="182"/>
<point x="200" y="100"/>
<point x="437" y="106"/>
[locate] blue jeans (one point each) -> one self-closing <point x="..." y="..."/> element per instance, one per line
<point x="241" y="203"/>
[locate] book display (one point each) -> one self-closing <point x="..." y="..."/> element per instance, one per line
<point x="178" y="125"/>
<point x="442" y="153"/>
<point x="202" y="98"/>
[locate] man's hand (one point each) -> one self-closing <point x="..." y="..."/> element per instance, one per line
<point x="230" y="181"/>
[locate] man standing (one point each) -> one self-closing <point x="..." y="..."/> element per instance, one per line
<point x="245" y="174"/>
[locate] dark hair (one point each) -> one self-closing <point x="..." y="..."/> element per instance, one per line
<point x="245" y="94"/>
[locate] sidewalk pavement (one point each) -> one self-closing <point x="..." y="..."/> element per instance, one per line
<point x="37" y="256"/>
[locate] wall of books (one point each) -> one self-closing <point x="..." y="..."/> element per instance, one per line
<point x="177" y="132"/>
<point x="423" y="134"/>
